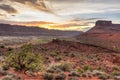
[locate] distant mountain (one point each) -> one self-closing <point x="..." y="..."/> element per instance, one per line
<point x="16" y="30"/>
<point x="104" y="34"/>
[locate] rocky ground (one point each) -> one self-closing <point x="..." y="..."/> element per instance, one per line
<point x="67" y="60"/>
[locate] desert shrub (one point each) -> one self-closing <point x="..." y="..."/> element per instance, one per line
<point x="58" y="58"/>
<point x="24" y="60"/>
<point x="2" y="46"/>
<point x="100" y="68"/>
<point x="116" y="78"/>
<point x="73" y="78"/>
<point x="74" y="73"/>
<point x="72" y="55"/>
<point x="97" y="72"/>
<point x="27" y="48"/>
<point x="66" y="67"/>
<point x="116" y="73"/>
<point x="48" y="76"/>
<point x="116" y="68"/>
<point x="52" y="69"/>
<point x="66" y="54"/>
<point x="103" y="77"/>
<point x="59" y="68"/>
<point x="89" y="75"/>
<point x="53" y="54"/>
<point x="14" y="77"/>
<point x="60" y="76"/>
<point x="80" y="70"/>
<point x="10" y="49"/>
<point x="5" y="67"/>
<point x="30" y="74"/>
<point x="7" y="78"/>
<point x="84" y="75"/>
<point x="87" y="67"/>
<point x="3" y="73"/>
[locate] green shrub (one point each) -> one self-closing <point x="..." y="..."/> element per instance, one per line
<point x="25" y="60"/>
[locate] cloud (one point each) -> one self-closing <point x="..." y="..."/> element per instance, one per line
<point x="2" y="16"/>
<point x="8" y="8"/>
<point x="92" y="1"/>
<point x="81" y="13"/>
<point x="36" y="4"/>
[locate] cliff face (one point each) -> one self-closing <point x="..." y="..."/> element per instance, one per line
<point x="105" y="27"/>
<point x="103" y="23"/>
<point x="15" y="30"/>
<point x="104" y="34"/>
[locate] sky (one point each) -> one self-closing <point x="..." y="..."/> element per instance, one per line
<point x="59" y="14"/>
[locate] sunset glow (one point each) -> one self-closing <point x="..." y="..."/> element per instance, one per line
<point x="63" y="14"/>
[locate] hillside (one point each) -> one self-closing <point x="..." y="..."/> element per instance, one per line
<point x="86" y="61"/>
<point x="15" y="30"/>
<point x="104" y="34"/>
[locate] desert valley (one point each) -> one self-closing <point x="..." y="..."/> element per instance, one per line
<point x="91" y="55"/>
